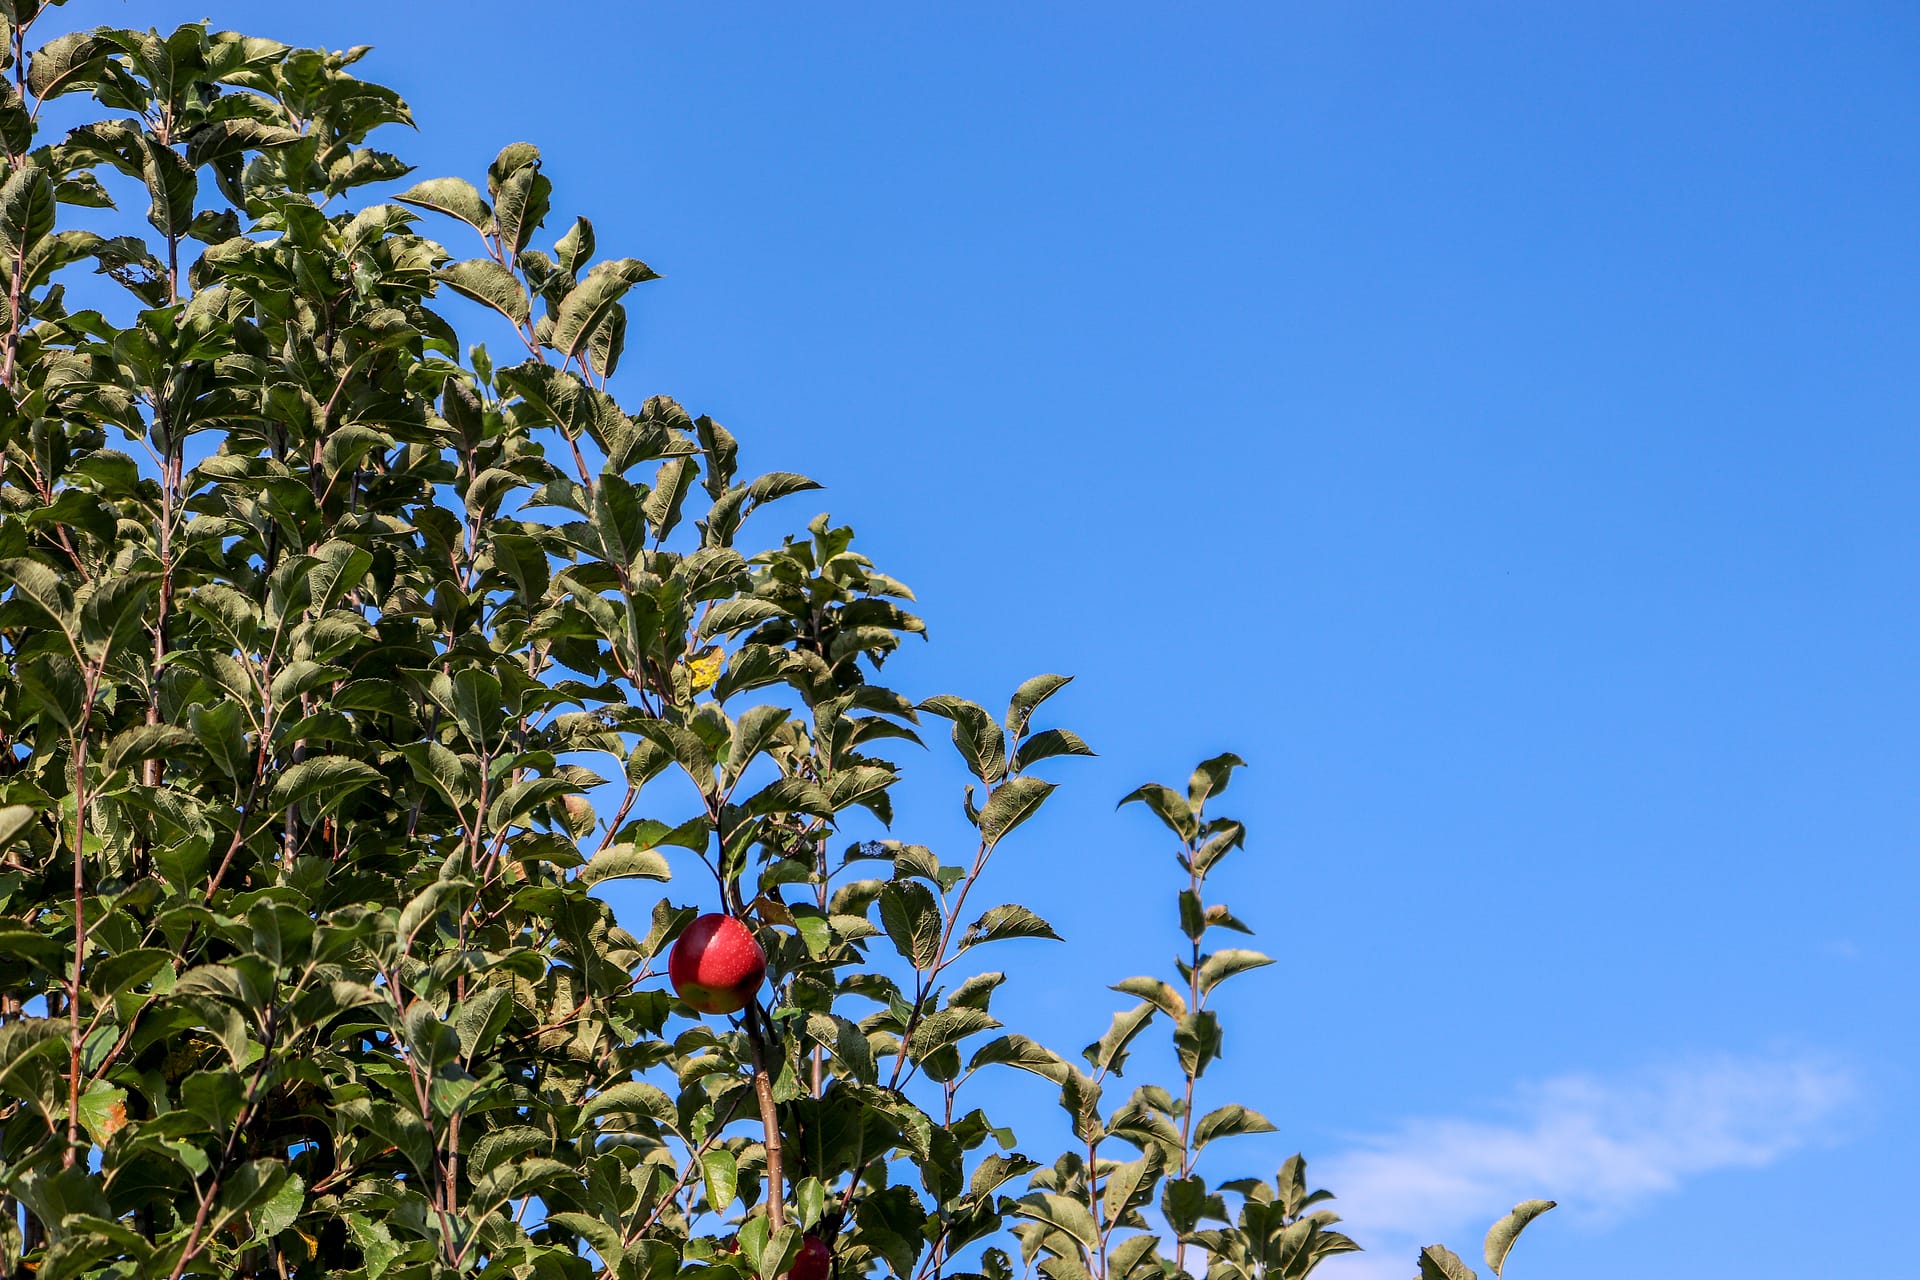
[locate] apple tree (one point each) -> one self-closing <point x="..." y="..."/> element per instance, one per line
<point x="342" y="661"/>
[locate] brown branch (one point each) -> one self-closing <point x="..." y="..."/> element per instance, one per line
<point x="769" y="1119"/>
<point x="76" y="1037"/>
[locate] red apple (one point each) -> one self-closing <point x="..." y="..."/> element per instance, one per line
<point x="813" y="1262"/>
<point x="716" y="964"/>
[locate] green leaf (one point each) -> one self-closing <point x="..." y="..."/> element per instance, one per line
<point x="453" y="196"/>
<point x="1134" y="1255"/>
<point x="519" y="1178"/>
<point x="57" y="689"/>
<point x="103" y="1110"/>
<point x="1437" y="1262"/>
<point x="1227" y="1122"/>
<point x="1226" y="836"/>
<point x="113" y="610"/>
<point x="302" y="676"/>
<point x="220" y="140"/>
<point x="1130" y="1183"/>
<point x="348" y="447"/>
<point x="520" y="205"/>
<point x="1109" y="1052"/>
<point x="1501" y="1238"/>
<point x="1167" y="804"/>
<point x="1012" y="803"/>
<point x="590" y="302"/>
<point x="670" y="486"/>
<point x="636" y="1096"/>
<point x="35" y="583"/>
<point x="422" y="907"/>
<point x="280" y="1210"/>
<point x="771" y="1260"/>
<point x="26" y="210"/>
<point x="1019" y="1051"/>
<point x="1221" y="965"/>
<point x="574" y="248"/>
<point x="948" y="1027"/>
<point x="1196" y="1040"/>
<point x="722" y="1173"/>
<point x="377" y="1245"/>
<point x="1028" y="696"/>
<point x="235" y="616"/>
<point x="1063" y="1213"/>
<point x="604" y="1239"/>
<point x="775" y="485"/>
<point x="441" y="769"/>
<point x="1161" y="994"/>
<point x="1009" y="921"/>
<point x="23" y="1043"/>
<point x="487" y="282"/>
<point x="173" y="187"/>
<point x="995" y="1171"/>
<point x="328" y="780"/>
<point x="846" y="1042"/>
<point x="979" y="740"/>
<point x="1210" y="778"/>
<point x="481" y="1017"/>
<point x="340" y="568"/>
<point x="252" y="1183"/>
<point x="1185" y="1201"/>
<point x="625" y="862"/>
<point x="730" y="616"/>
<point x="126" y="970"/>
<point x="513" y="157"/>
<point x="1045" y="745"/>
<point x="912" y="919"/>
<point x="14" y="819"/>
<point x="753" y="733"/>
<point x="65" y="64"/>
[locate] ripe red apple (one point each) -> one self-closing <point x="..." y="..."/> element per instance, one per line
<point x="716" y="964"/>
<point x="813" y="1262"/>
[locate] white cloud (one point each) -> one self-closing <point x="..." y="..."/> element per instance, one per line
<point x="1599" y="1147"/>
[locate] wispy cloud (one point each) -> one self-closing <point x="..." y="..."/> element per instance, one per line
<point x="1600" y="1147"/>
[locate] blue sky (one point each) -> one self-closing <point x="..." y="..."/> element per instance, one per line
<point x="1495" y="422"/>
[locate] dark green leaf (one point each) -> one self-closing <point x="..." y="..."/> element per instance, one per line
<point x="1028" y="696"/>
<point x="1009" y="921"/>
<point x="329" y="780"/>
<point x="1229" y="1121"/>
<point x="1045" y="745"/>
<point x="911" y="917"/>
<point x="1166" y="803"/>
<point x="1012" y="803"/>
<point x="1210" y="778"/>
<point x="979" y="740"/>
<point x="26" y="210"/>
<point x="591" y="301"/>
<point x="1109" y="1052"/>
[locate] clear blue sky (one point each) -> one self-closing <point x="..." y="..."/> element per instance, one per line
<point x="1496" y="422"/>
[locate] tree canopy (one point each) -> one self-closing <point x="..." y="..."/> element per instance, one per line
<point x="341" y="661"/>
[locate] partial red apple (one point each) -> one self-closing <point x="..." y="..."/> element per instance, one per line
<point x="813" y="1262"/>
<point x="716" y="964"/>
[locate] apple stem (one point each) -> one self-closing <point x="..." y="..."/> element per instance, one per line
<point x="769" y="1120"/>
